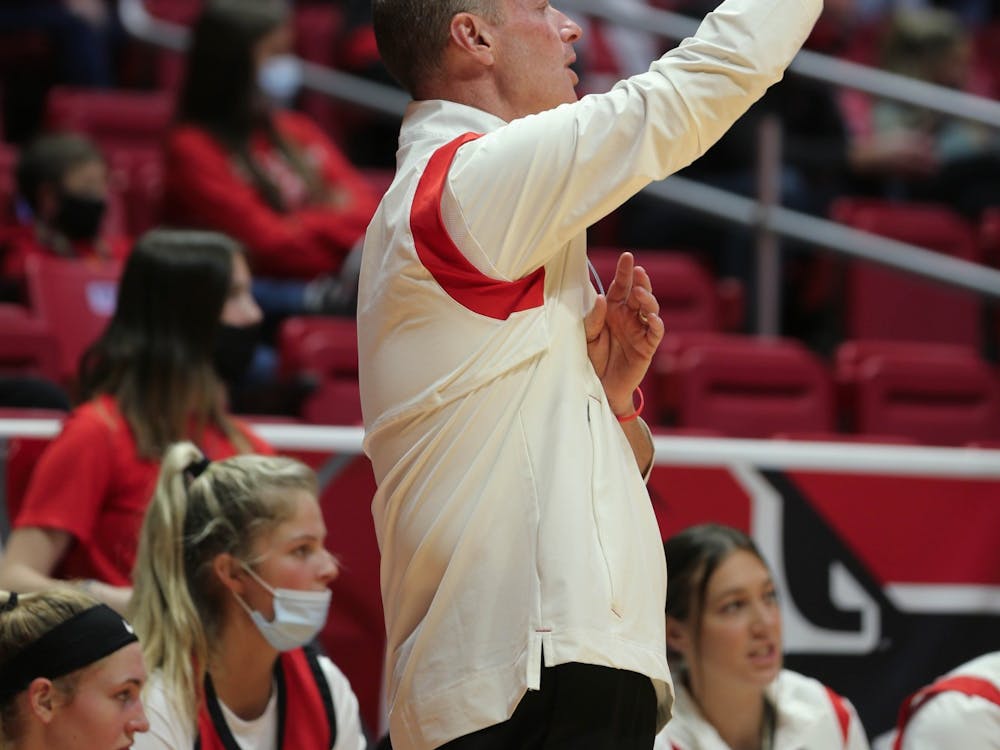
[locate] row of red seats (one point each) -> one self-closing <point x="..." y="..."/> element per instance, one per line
<point x="739" y="386"/>
<point x="881" y="303"/>
<point x="708" y="380"/>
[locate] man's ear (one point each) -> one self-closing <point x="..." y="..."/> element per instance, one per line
<point x="472" y="34"/>
<point x="678" y="637"/>
<point x="41" y="699"/>
<point x="229" y="572"/>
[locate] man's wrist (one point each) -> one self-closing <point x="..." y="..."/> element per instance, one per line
<point x="631" y="409"/>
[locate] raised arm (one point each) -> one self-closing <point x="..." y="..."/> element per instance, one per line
<point x="552" y="175"/>
<point x="32" y="554"/>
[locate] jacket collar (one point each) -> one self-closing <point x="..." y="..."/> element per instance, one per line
<point x="435" y="118"/>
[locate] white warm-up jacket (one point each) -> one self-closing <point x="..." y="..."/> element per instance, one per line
<point x="808" y="716"/>
<point x="510" y="513"/>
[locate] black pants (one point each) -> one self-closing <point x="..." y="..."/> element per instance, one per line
<point x="579" y="707"/>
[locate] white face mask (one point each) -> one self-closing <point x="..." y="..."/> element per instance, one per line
<point x="298" y="615"/>
<point x="280" y="78"/>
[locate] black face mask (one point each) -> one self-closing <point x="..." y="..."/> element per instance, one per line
<point x="79" y="216"/>
<point x="233" y="352"/>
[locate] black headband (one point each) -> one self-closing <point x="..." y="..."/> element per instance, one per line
<point x="69" y="646"/>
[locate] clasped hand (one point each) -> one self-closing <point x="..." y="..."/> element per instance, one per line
<point x="623" y="330"/>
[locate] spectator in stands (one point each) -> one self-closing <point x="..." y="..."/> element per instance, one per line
<point x="961" y="709"/>
<point x="71" y="672"/>
<point x="62" y="182"/>
<point x="931" y="45"/>
<point x="373" y="141"/>
<point x="231" y="585"/>
<point x="238" y="162"/>
<point x="148" y="382"/>
<point x="724" y="639"/>
<point x="76" y="48"/>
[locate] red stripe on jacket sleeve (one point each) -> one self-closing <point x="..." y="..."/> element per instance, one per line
<point x="463" y="282"/>
<point x="967" y="685"/>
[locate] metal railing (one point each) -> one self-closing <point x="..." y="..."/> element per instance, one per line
<point x="731" y="207"/>
<point x="853" y="458"/>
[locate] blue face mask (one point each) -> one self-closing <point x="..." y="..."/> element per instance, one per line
<point x="280" y="78"/>
<point x="298" y="615"/>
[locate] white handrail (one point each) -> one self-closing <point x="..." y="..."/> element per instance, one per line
<point x="829" y="235"/>
<point x="898" y="460"/>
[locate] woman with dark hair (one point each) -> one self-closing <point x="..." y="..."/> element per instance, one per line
<point x="71" y="673"/>
<point x="240" y="163"/>
<point x="148" y="382"/>
<point x="724" y="641"/>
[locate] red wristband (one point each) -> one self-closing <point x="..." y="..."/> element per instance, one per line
<point x="638" y="409"/>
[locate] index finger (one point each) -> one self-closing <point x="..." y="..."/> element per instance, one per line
<point x="622" y="283"/>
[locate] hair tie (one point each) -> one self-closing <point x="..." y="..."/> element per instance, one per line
<point x="196" y="468"/>
<point x="10" y="603"/>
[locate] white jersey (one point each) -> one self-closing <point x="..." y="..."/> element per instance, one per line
<point x="808" y="716"/>
<point x="957" y="712"/>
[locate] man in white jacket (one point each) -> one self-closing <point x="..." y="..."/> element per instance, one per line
<point x="522" y="573"/>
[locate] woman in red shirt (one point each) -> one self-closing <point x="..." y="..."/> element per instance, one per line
<point x="239" y="163"/>
<point x="149" y="381"/>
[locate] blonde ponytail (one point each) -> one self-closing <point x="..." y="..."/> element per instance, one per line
<point x="161" y="608"/>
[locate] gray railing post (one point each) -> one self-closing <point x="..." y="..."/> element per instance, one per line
<point x="768" y="243"/>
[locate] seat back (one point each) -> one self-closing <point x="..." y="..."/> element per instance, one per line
<point x="27" y="347"/>
<point x="933" y="395"/>
<point x="887" y="304"/>
<point x="746" y="387"/>
<point x="75" y="299"/>
<point x="8" y="182"/>
<point x="322" y="346"/>
<point x="113" y="119"/>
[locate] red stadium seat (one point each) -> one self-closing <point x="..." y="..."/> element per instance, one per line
<point x="932" y="393"/>
<point x="75" y="299"/>
<point x="115" y="120"/>
<point x="335" y="401"/>
<point x="8" y="182"/>
<point x="886" y="304"/>
<point x="136" y="176"/>
<point x="27" y="346"/>
<point x="183" y="12"/>
<point x="749" y="387"/>
<point x="325" y="347"/>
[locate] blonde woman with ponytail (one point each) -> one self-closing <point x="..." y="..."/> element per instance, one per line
<point x="71" y="673"/>
<point x="231" y="584"/>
